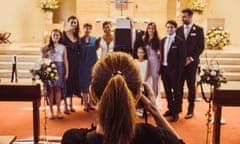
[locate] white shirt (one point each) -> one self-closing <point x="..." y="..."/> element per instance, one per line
<point x="57" y="56"/>
<point x="187" y="29"/>
<point x="167" y="45"/>
<point x="105" y="48"/>
<point x="143" y="68"/>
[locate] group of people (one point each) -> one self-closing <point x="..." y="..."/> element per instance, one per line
<point x="74" y="57"/>
<point x="115" y="81"/>
<point x="174" y="58"/>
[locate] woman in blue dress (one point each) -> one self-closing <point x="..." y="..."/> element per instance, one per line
<point x="88" y="58"/>
<point x="72" y="43"/>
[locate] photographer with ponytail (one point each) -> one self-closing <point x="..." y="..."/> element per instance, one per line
<point x="116" y="88"/>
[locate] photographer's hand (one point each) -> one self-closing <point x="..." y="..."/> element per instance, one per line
<point x="150" y="105"/>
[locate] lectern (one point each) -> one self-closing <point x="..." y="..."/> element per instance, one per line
<point x="24" y="92"/>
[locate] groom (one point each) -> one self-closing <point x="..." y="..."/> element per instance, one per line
<point x="194" y="41"/>
<point x="172" y="65"/>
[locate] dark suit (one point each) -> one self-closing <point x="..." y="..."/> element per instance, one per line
<point x="171" y="74"/>
<point x="194" y="46"/>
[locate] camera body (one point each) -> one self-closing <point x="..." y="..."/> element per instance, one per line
<point x="141" y="110"/>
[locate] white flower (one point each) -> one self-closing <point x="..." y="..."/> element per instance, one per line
<point x="213" y="73"/>
<point x="52" y="74"/>
<point x="49" y="69"/>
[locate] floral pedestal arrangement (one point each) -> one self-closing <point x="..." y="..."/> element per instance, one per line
<point x="211" y="75"/>
<point x="48" y="6"/>
<point x="217" y="38"/>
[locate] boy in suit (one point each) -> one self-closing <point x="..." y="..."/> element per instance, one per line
<point x="172" y="65"/>
<point x="194" y="41"/>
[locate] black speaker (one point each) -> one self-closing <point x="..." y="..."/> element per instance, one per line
<point x="123" y="40"/>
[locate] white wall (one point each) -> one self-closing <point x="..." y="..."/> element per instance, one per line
<point x="22" y="18"/>
<point x="228" y="9"/>
<point x="25" y="20"/>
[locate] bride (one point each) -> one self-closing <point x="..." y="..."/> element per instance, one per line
<point x="106" y="42"/>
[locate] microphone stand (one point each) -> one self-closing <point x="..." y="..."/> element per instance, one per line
<point x="14" y="69"/>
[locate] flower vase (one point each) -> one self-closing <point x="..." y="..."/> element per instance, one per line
<point x="49" y="17"/>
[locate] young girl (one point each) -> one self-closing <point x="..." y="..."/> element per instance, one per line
<point x="57" y="53"/>
<point x="143" y="63"/>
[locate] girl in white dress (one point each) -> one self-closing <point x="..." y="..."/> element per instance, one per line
<point x="143" y="63"/>
<point x="106" y="42"/>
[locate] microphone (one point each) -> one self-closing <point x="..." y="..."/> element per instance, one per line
<point x="14" y="69"/>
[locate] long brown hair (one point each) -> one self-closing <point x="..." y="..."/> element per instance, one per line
<point x="155" y="41"/>
<point x="50" y="45"/>
<point x="77" y="30"/>
<point x="116" y="81"/>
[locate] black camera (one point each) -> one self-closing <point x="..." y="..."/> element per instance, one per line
<point x="141" y="110"/>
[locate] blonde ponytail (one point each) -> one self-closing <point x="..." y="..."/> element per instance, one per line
<point x="117" y="113"/>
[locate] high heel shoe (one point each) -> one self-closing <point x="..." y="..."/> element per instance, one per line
<point x="66" y="111"/>
<point x="50" y="116"/>
<point x="72" y="109"/>
<point x="60" y="116"/>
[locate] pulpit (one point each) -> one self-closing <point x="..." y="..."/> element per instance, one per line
<point x="227" y="95"/>
<point x="24" y="92"/>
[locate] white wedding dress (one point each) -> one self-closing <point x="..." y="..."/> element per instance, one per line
<point x="105" y="48"/>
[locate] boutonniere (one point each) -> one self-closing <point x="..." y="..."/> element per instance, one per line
<point x="194" y="28"/>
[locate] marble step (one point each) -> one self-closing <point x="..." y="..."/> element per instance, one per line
<point x="222" y="61"/>
<point x="20" y="65"/>
<point x="219" y="54"/>
<point x="28" y="51"/>
<point x="232" y="76"/>
<point x="230" y="68"/>
<point x="20" y="58"/>
<point x="21" y="74"/>
<point x="21" y="49"/>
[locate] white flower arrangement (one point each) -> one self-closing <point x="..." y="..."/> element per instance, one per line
<point x="212" y="75"/>
<point x="198" y="6"/>
<point x="49" y="5"/>
<point x="217" y="38"/>
<point x="44" y="70"/>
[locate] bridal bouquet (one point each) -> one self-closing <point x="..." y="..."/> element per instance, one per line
<point x="49" y="5"/>
<point x="217" y="38"/>
<point x="44" y="70"/>
<point x="198" y="6"/>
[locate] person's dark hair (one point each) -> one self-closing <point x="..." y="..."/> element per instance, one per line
<point x="145" y="51"/>
<point x="155" y="41"/>
<point x="87" y="25"/>
<point x="106" y="23"/>
<point x="116" y="82"/>
<point x="172" y="22"/>
<point x="188" y="11"/>
<point x="51" y="43"/>
<point x="77" y="30"/>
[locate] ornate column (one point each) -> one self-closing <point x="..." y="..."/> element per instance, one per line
<point x="48" y="17"/>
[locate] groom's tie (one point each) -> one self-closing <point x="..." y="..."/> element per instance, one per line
<point x="186" y="31"/>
